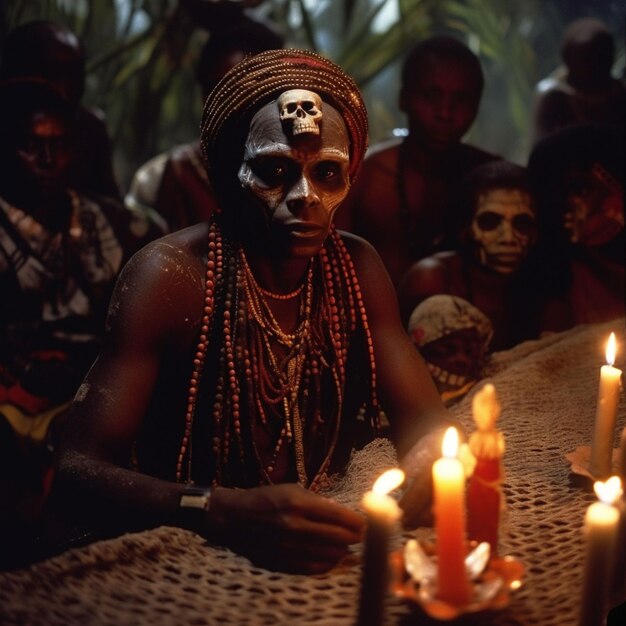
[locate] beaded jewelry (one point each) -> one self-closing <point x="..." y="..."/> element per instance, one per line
<point x="274" y="379"/>
<point x="279" y="374"/>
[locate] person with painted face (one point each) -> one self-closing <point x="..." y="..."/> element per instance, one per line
<point x="60" y="252"/>
<point x="248" y="355"/>
<point x="405" y="204"/>
<point x="454" y="339"/>
<point x="51" y="52"/>
<point x="488" y="270"/>
<point x="578" y="176"/>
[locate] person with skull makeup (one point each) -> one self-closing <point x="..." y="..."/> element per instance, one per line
<point x="454" y="338"/>
<point x="275" y="339"/>
<point x="488" y="270"/>
<point x="578" y="179"/>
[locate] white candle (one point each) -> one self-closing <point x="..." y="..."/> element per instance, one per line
<point x="608" y="396"/>
<point x="619" y="571"/>
<point x="601" y="525"/>
<point x="449" y="501"/>
<point x="622" y="456"/>
<point x="382" y="514"/>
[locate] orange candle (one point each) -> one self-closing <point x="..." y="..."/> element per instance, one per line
<point x="449" y="504"/>
<point x="608" y="397"/>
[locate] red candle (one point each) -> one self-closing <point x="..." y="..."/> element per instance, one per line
<point x="483" y="494"/>
<point x="449" y="504"/>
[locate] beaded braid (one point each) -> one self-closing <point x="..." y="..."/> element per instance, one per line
<point x="331" y="310"/>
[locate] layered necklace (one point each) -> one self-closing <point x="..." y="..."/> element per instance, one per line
<point x="270" y="379"/>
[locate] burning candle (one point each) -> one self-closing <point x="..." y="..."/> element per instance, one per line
<point x="382" y="514"/>
<point x="608" y="396"/>
<point x="601" y="525"/>
<point x="622" y="456"/>
<point x="449" y="505"/>
<point x="483" y="493"/>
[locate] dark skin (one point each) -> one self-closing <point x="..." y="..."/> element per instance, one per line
<point x="441" y="104"/>
<point x="144" y="368"/>
<point x="586" y="92"/>
<point x="445" y="272"/>
<point x="53" y="53"/>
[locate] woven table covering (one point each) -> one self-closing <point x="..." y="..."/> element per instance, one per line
<point x="168" y="576"/>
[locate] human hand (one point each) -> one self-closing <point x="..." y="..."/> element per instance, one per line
<point x="285" y="527"/>
<point x="416" y="502"/>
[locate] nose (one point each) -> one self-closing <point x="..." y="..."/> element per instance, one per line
<point x="444" y="108"/>
<point x="46" y="156"/>
<point x="301" y="195"/>
<point x="507" y="234"/>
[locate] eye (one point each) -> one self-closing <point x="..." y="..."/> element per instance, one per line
<point x="327" y="171"/>
<point x="272" y="171"/>
<point x="524" y="224"/>
<point x="488" y="220"/>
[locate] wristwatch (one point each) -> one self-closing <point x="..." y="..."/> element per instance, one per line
<point x="193" y="504"/>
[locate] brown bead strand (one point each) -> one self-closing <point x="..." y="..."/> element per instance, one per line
<point x="363" y="313"/>
<point x="214" y="253"/>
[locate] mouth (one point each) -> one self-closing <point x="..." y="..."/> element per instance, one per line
<point x="304" y="229"/>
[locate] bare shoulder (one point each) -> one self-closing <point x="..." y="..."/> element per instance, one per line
<point x="372" y="274"/>
<point x="435" y="262"/>
<point x="163" y="282"/>
<point x="383" y="157"/>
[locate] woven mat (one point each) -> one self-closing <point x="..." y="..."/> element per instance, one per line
<point x="168" y="576"/>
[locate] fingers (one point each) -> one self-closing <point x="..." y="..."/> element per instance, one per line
<point x="416" y="503"/>
<point x="332" y="512"/>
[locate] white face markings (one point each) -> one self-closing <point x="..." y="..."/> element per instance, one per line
<point x="504" y="228"/>
<point x="298" y="180"/>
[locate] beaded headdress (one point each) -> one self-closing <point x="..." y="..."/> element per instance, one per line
<point x="261" y="78"/>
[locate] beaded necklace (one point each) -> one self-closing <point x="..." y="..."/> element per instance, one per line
<point x="275" y="378"/>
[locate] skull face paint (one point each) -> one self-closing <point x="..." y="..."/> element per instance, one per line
<point x="295" y="182"/>
<point x="503" y="229"/>
<point x="301" y="110"/>
<point x="595" y="206"/>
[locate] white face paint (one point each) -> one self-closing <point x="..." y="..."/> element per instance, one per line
<point x="503" y="228"/>
<point x="299" y="180"/>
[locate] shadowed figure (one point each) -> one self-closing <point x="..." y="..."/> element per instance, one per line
<point x="60" y="253"/>
<point x="42" y="49"/>
<point x="578" y="177"/>
<point x="404" y="203"/>
<point x="582" y="90"/>
<point x="175" y="184"/>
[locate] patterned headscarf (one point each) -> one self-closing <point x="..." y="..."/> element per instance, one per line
<point x="442" y="315"/>
<point x="260" y="79"/>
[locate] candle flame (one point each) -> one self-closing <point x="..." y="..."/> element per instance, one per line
<point x="450" y="444"/>
<point x="611" y="349"/>
<point x="388" y="481"/>
<point x="609" y="490"/>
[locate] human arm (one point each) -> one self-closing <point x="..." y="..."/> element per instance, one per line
<point x="410" y="399"/>
<point x="154" y="316"/>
